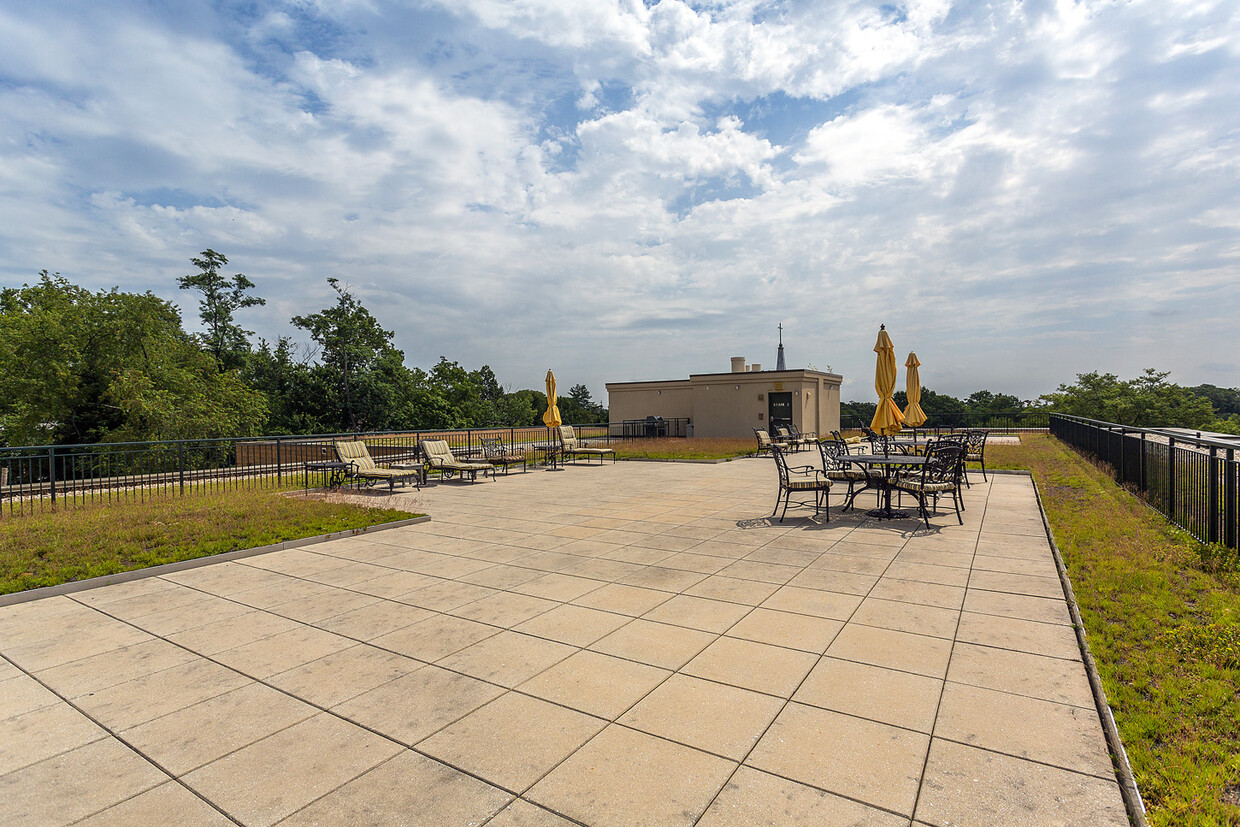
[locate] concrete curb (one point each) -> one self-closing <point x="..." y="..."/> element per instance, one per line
<point x="1119" y="756"/>
<point x="197" y="562"/>
<point x="690" y="461"/>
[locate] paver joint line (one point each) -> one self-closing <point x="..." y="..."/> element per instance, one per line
<point x="1133" y="803"/>
<point x="873" y="601"/>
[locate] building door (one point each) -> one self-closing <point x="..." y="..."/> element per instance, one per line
<point x="779" y="410"/>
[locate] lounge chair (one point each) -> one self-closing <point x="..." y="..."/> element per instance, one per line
<point x="495" y="452"/>
<point x="363" y="468"/>
<point x="804" y="478"/>
<point x="846" y="441"/>
<point x="570" y="447"/>
<point x="784" y="437"/>
<point x="765" y="442"/>
<point x="440" y="458"/>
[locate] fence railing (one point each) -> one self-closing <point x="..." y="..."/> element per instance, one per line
<point x="1194" y="481"/>
<point x="40" y="476"/>
<point x="999" y="423"/>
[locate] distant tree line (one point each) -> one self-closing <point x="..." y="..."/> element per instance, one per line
<point x="1148" y="401"/>
<point x="79" y="367"/>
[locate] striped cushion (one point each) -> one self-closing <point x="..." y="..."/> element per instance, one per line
<point x="808" y="485"/>
<point x="926" y="487"/>
<point x="846" y="476"/>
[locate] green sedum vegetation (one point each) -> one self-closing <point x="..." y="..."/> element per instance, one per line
<point x="1162" y="614"/>
<point x="92" y="540"/>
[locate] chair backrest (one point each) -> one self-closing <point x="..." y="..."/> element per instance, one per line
<point x="437" y="451"/>
<point x="764" y="439"/>
<point x="781" y="463"/>
<point x="975" y="442"/>
<point x="942" y="462"/>
<point x="568" y="437"/>
<point x="831" y="451"/>
<point x="781" y="431"/>
<point x="356" y="453"/>
<point x="493" y="447"/>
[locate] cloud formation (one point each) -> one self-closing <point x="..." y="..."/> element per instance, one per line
<point x="626" y="190"/>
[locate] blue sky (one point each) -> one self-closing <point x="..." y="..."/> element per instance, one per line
<point x="627" y="190"/>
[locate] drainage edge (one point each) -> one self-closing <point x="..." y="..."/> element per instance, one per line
<point x="1123" y="770"/>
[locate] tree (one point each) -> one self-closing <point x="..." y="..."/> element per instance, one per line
<point x="227" y="341"/>
<point x="1149" y="401"/>
<point x="82" y="367"/>
<point x="1226" y="401"/>
<point x="578" y="407"/>
<point x="357" y="363"/>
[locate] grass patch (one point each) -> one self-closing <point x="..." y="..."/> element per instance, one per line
<point x="83" y="541"/>
<point x="1164" y="629"/>
<point x="676" y="448"/>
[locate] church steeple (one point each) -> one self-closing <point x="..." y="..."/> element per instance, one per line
<point x="779" y="360"/>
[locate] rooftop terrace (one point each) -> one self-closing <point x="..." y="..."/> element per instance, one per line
<point x="628" y="644"/>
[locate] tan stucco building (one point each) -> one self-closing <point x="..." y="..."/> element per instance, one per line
<point x="732" y="404"/>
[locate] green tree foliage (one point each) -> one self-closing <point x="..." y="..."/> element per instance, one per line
<point x="357" y="364"/>
<point x="1148" y="401"/>
<point x="77" y="366"/>
<point x="227" y="341"/>
<point x="1226" y="401"/>
<point x="578" y="407"/>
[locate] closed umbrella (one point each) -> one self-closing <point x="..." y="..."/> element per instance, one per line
<point x="552" y="417"/>
<point x="887" y="416"/>
<point x="913" y="414"/>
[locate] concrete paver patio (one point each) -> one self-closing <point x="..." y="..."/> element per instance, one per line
<point x="628" y="644"/>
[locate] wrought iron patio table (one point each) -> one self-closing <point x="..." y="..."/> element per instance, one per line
<point x="334" y="473"/>
<point x="882" y="483"/>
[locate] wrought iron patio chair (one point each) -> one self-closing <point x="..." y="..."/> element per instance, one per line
<point x="500" y="455"/>
<point x="837" y="470"/>
<point x="975" y="451"/>
<point x="799" y="479"/>
<point x="940" y="475"/>
<point x="847" y="441"/>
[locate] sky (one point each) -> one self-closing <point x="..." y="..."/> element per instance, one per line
<point x="620" y="191"/>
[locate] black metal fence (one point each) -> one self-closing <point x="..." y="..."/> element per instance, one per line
<point x="1194" y="481"/>
<point x="1007" y="423"/>
<point x="36" y="477"/>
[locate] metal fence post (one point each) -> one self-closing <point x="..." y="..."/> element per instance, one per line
<point x="1212" y="504"/>
<point x="1141" y="468"/>
<point x="1229" y="495"/>
<point x="1171" y="479"/>
<point x="51" y="471"/>
<point x="1119" y="472"/>
<point x="181" y="464"/>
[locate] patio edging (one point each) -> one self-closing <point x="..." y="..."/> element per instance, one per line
<point x="1133" y="802"/>
<point x="197" y="562"/>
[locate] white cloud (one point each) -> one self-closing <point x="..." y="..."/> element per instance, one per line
<point x="665" y="183"/>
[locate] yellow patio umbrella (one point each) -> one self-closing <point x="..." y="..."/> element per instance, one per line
<point x="887" y="416"/>
<point x="913" y="414"/>
<point x="552" y="417"/>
